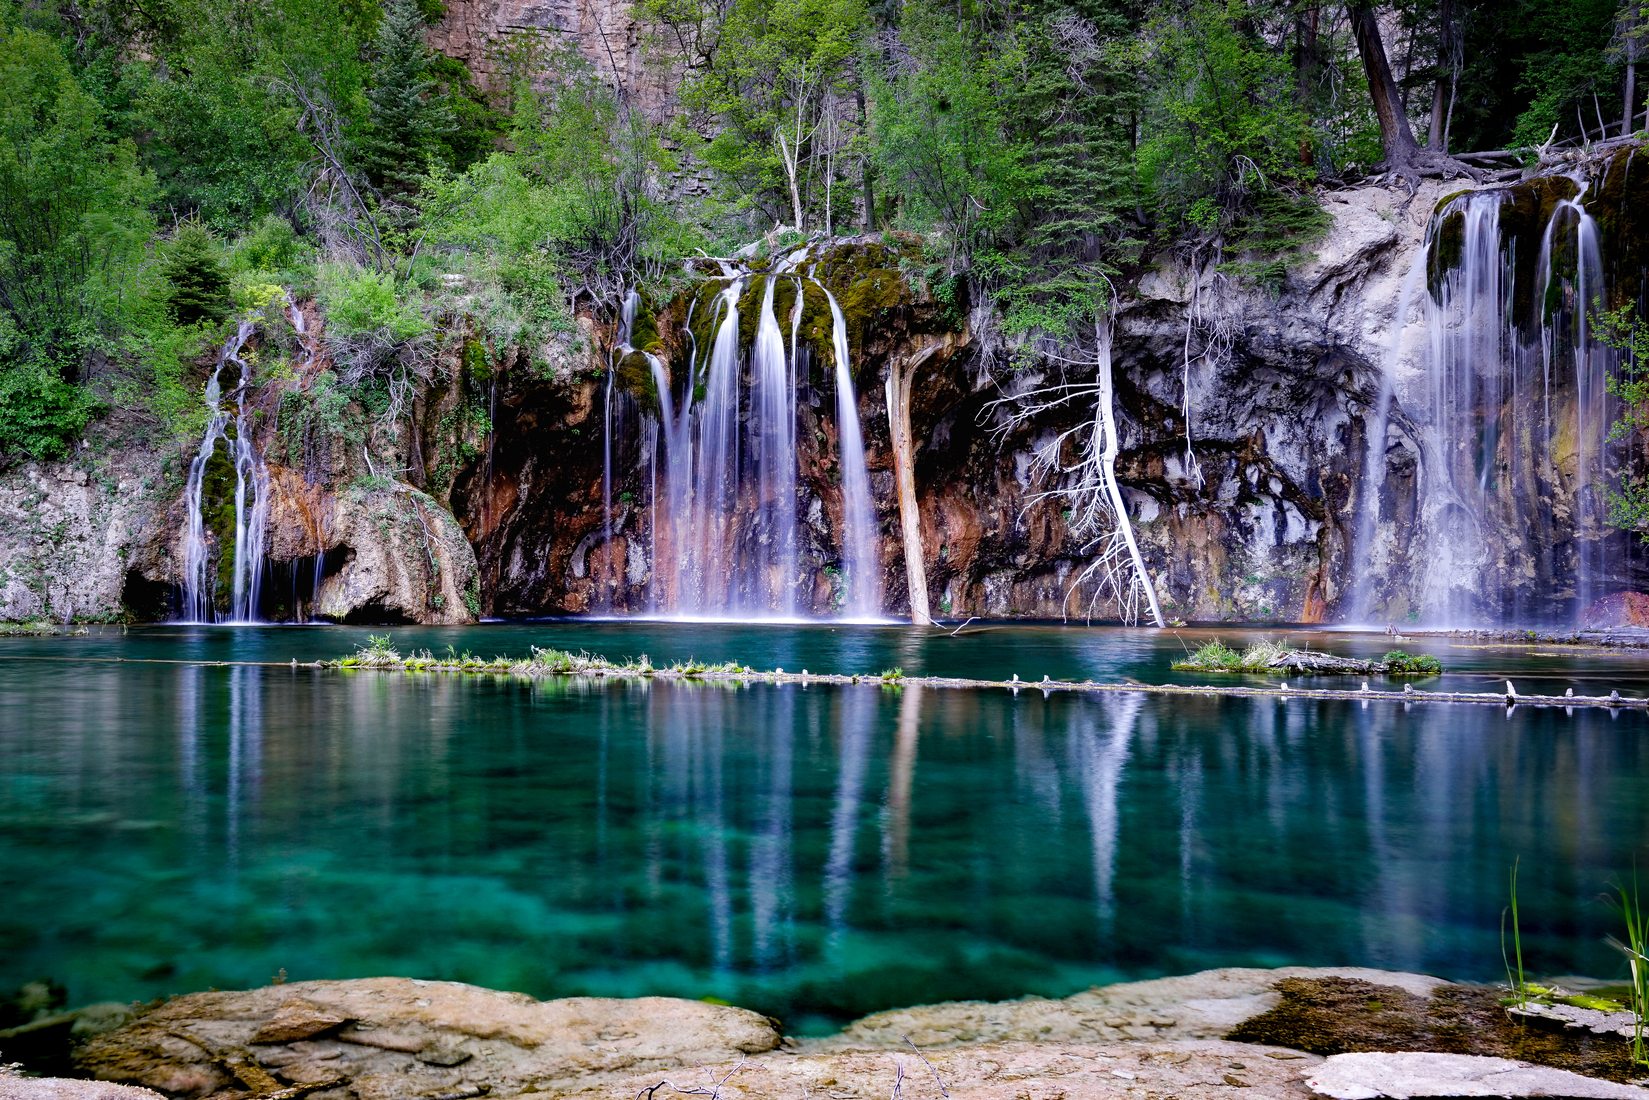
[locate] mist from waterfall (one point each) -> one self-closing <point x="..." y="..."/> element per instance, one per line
<point x="232" y="428"/>
<point x="1509" y="415"/>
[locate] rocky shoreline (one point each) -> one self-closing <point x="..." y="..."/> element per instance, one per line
<point x="1288" y="1033"/>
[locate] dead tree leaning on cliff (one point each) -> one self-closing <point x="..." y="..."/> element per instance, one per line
<point x="1087" y="484"/>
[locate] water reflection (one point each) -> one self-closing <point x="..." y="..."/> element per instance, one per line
<point x="816" y="853"/>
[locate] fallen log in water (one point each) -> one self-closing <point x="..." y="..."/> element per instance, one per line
<point x="548" y="664"/>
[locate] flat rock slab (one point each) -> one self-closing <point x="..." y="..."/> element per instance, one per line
<point x="1206" y="1005"/>
<point x="1441" y="1076"/>
<point x="384" y="1038"/>
<point x="59" y="1088"/>
<point x="989" y="1071"/>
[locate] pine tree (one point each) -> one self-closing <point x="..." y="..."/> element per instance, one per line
<point x="408" y="123"/>
<point x="199" y="287"/>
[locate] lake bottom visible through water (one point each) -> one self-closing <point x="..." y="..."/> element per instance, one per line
<point x="815" y="853"/>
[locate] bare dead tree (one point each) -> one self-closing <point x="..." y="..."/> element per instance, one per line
<point x="1081" y="462"/>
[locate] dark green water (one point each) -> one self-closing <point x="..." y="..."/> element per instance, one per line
<point x="815" y="853"/>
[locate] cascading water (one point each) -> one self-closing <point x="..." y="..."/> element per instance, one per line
<point x="1509" y="415"/>
<point x="726" y="490"/>
<point x="200" y="589"/>
<point x="609" y="440"/>
<point x="861" y="564"/>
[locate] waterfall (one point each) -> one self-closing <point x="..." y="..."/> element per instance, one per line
<point x="609" y="439"/>
<point x="1565" y="330"/>
<point x="725" y="472"/>
<point x="860" y="560"/>
<point x="251" y="498"/>
<point x="1361" y="601"/>
<point x="1508" y="414"/>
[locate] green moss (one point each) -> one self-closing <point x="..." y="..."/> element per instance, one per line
<point x="217" y="509"/>
<point x="476" y="362"/>
<point x="1399" y="663"/>
<point x="1329" y="1016"/>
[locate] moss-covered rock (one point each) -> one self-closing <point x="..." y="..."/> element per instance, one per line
<point x="1344" y="1016"/>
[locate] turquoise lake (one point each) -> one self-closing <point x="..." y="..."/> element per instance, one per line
<point x="169" y="825"/>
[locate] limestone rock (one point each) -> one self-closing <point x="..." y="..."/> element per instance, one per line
<point x="70" y="530"/>
<point x="995" y="1071"/>
<point x="1621" y="610"/>
<point x="1409" y="1076"/>
<point x="404" y="558"/>
<point x="411" y="1039"/>
<point x="1205" y="1005"/>
<point x="297" y="1019"/>
<point x="61" y="1088"/>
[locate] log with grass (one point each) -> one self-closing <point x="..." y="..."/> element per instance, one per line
<point x="1265" y="658"/>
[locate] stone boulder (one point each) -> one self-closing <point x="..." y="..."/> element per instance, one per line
<point x="991" y="1071"/>
<point x="1442" y="1076"/>
<point x="401" y="1039"/>
<point x="61" y="1088"/>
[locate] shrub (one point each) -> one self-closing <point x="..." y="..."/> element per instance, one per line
<point x="1399" y="663"/>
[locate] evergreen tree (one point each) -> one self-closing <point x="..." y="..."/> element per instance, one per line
<point x="408" y="122"/>
<point x="197" y="285"/>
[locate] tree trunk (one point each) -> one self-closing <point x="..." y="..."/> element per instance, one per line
<point x="1396" y="136"/>
<point x="899" y="377"/>
<point x="1442" y="89"/>
<point x="1307" y="64"/>
<point x="791" y="166"/>
<point x="1629" y="45"/>
<point x="864" y="165"/>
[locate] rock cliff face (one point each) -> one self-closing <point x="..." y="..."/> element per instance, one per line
<point x="604" y="32"/>
<point x="1278" y="413"/>
<point x="1280" y="456"/>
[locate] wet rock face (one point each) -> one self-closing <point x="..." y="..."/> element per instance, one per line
<point x="72" y="532"/>
<point x="399" y="1039"/>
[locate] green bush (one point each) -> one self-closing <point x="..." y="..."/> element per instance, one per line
<point x="363" y="303"/>
<point x="1399" y="663"/>
<point x="40" y="413"/>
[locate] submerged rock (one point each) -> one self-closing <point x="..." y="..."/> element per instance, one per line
<point x="383" y="1038"/>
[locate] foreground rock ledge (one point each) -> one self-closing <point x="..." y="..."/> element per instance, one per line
<point x="383" y="1038"/>
<point x="397" y="1039"/>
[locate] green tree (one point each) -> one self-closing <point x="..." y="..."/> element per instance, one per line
<point x="72" y="225"/>
<point x="1625" y="331"/>
<point x="408" y="122"/>
<point x="197" y="284"/>
<point x="772" y="79"/>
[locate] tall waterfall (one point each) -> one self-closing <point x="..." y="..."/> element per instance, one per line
<point x="609" y="441"/>
<point x="726" y="470"/>
<point x="1504" y="400"/>
<point x="200" y="587"/>
<point x="862" y="566"/>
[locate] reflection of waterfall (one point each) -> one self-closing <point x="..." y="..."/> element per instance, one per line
<point x="245" y="752"/>
<point x="727" y="536"/>
<point x="857" y="711"/>
<point x="234" y="430"/>
<point x="1510" y="419"/>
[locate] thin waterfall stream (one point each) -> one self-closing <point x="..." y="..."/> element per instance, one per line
<point x="232" y="428"/>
